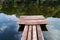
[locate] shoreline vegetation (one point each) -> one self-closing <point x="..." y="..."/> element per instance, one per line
<point x="31" y="7"/>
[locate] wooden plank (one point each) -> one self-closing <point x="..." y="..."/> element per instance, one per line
<point x="34" y="33"/>
<point x="40" y="17"/>
<point x="25" y="32"/>
<point x="30" y="33"/>
<point x="40" y="34"/>
<point x="32" y="22"/>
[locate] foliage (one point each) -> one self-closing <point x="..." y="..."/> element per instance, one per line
<point x="32" y="7"/>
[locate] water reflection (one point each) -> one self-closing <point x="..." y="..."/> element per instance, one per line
<point x="9" y="28"/>
<point x="53" y="27"/>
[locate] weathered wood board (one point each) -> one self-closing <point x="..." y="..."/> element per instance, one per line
<point x="32" y="30"/>
<point x="32" y="20"/>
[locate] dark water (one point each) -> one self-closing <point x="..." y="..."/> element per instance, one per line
<point x="9" y="28"/>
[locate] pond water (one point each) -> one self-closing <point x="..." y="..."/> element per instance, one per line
<point x="9" y="28"/>
<point x="53" y="27"/>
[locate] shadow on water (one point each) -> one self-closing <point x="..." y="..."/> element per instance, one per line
<point x="9" y="28"/>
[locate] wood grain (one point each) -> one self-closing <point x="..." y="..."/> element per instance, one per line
<point x="32" y="22"/>
<point x="34" y="33"/>
<point x="40" y="17"/>
<point x="39" y="32"/>
<point x="32" y="30"/>
<point x="30" y="33"/>
<point x="25" y="32"/>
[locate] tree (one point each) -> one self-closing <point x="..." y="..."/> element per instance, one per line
<point x="7" y="6"/>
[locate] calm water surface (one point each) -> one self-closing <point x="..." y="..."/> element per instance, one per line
<point x="53" y="27"/>
<point x="9" y="28"/>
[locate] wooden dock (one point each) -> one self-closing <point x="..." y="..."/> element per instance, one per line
<point x="32" y="29"/>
